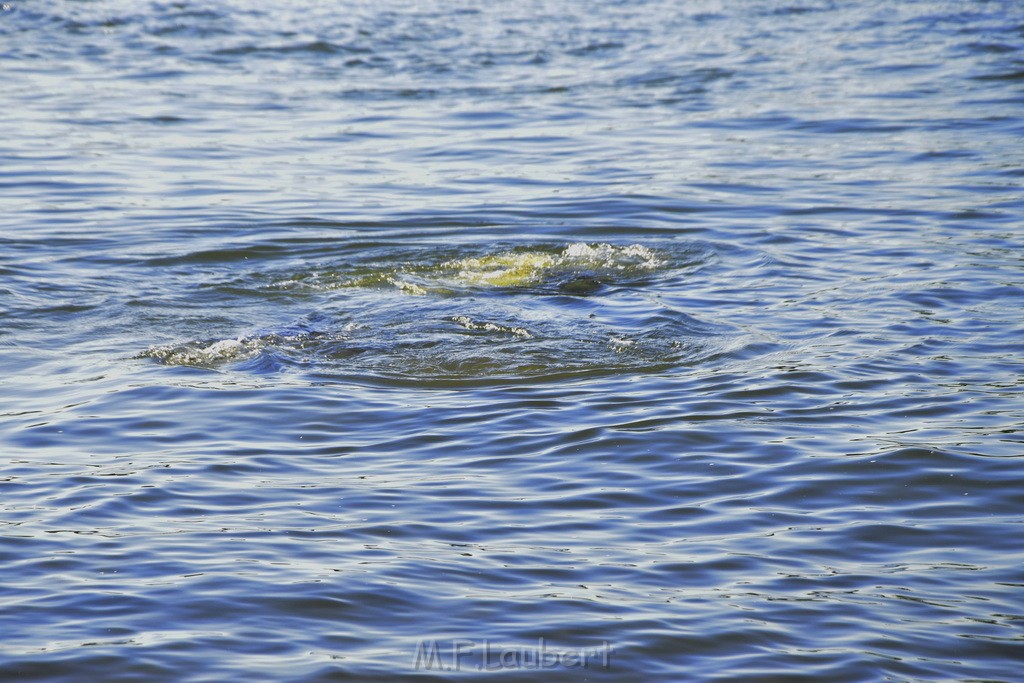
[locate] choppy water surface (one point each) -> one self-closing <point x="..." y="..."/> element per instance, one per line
<point x="680" y="338"/>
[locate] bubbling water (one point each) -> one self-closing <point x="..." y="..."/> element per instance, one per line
<point x="464" y="317"/>
<point x="526" y="268"/>
<point x="514" y="269"/>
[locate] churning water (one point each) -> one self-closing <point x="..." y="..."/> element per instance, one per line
<point x="548" y="340"/>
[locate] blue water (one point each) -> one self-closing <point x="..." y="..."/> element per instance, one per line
<point x="386" y="341"/>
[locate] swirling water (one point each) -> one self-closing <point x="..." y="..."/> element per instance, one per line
<point x="679" y="338"/>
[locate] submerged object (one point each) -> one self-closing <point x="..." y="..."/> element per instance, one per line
<point x="583" y="284"/>
<point x="577" y="269"/>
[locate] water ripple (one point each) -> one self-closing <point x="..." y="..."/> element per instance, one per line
<point x="676" y="336"/>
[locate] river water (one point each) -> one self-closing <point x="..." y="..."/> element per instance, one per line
<point x="549" y="340"/>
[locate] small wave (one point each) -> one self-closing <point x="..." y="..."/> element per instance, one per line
<point x="204" y="353"/>
<point x="211" y="353"/>
<point x="470" y="324"/>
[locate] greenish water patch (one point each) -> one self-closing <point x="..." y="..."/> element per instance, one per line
<point x="577" y="268"/>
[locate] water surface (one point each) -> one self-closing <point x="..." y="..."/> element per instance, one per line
<point x="686" y="333"/>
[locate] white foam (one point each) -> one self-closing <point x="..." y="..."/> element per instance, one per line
<point x="470" y="324"/>
<point x="204" y="354"/>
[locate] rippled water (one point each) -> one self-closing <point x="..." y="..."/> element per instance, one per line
<point x="682" y="339"/>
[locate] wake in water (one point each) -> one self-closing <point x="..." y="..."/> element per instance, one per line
<point x="589" y="313"/>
